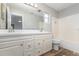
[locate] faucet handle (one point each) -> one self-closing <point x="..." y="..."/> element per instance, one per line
<point x="10" y="29"/>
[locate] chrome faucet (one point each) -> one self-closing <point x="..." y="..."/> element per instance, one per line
<point x="41" y="29"/>
<point x="10" y="29"/>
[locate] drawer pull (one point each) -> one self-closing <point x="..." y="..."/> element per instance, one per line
<point x="29" y="55"/>
<point x="29" y="46"/>
<point x="43" y="40"/>
<point x="38" y="43"/>
<point x="21" y="44"/>
<point x="38" y="51"/>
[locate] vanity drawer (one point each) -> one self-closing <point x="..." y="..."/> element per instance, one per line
<point x="11" y="43"/>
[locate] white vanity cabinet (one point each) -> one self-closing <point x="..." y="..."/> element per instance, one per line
<point x="43" y="44"/>
<point x="13" y="48"/>
<point x="30" y="45"/>
<point x="37" y="45"/>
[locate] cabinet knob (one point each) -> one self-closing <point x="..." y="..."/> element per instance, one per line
<point x="21" y="44"/>
<point x="38" y="51"/>
<point x="29" y="55"/>
<point x="29" y="46"/>
<point x="38" y="43"/>
<point x="43" y="40"/>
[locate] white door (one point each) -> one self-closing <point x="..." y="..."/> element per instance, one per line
<point x="11" y="49"/>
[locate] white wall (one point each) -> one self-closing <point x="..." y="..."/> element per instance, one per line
<point x="69" y="28"/>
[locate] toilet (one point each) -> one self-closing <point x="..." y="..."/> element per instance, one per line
<point x="56" y="44"/>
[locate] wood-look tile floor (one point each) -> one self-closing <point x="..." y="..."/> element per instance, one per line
<point x="61" y="52"/>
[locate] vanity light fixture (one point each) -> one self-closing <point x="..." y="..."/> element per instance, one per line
<point x="32" y="4"/>
<point x="46" y="18"/>
<point x="36" y="5"/>
<point x="19" y="21"/>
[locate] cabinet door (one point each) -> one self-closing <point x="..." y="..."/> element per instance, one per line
<point x="38" y="47"/>
<point x="43" y="44"/>
<point x="29" y="47"/>
<point x="38" y="43"/>
<point x="46" y="45"/>
<point x="11" y="49"/>
<point x="28" y="44"/>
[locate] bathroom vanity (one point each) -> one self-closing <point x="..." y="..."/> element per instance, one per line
<point x="15" y="40"/>
<point x="29" y="44"/>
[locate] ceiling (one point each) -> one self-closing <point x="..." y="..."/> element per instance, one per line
<point x="59" y="6"/>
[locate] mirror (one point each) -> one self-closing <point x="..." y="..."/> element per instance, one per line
<point x="16" y="22"/>
<point x="20" y="16"/>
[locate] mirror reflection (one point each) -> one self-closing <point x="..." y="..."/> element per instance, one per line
<point x="16" y="22"/>
<point x="23" y="16"/>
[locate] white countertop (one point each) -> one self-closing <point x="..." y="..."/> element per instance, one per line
<point x="5" y="33"/>
<point x="7" y="36"/>
<point x="22" y="33"/>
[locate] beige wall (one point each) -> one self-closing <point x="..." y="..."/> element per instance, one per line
<point x="55" y="27"/>
<point x="68" y="25"/>
<point x="69" y="32"/>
